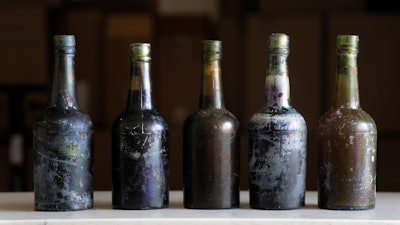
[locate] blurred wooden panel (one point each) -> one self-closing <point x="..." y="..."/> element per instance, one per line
<point x="188" y="7"/>
<point x="388" y="164"/>
<point x="102" y="160"/>
<point x="307" y="6"/>
<point x="4" y="112"/>
<point x="18" y="3"/>
<point x="304" y="70"/>
<point x="4" y="168"/>
<point x="137" y="26"/>
<point x="24" y="46"/>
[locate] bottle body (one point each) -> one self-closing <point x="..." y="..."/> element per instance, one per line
<point x="140" y="156"/>
<point x="211" y="143"/>
<point x="140" y="144"/>
<point x="347" y="160"/>
<point x="63" y="141"/>
<point x="63" y="160"/>
<point x="347" y="141"/>
<point x="211" y="160"/>
<point x="277" y="160"/>
<point x="277" y="140"/>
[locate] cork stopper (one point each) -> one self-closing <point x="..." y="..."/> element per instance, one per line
<point x="347" y="44"/>
<point x="278" y="43"/>
<point x="64" y="43"/>
<point x="141" y="51"/>
<point x="211" y="49"/>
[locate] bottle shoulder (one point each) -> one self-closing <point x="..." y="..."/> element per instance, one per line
<point x="284" y="118"/>
<point x="277" y="110"/>
<point x="211" y="119"/>
<point x="144" y="120"/>
<point x="63" y="118"/>
<point x="354" y="120"/>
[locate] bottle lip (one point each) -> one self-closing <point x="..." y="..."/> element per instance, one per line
<point x="278" y="40"/>
<point x="278" y="43"/>
<point x="64" y="44"/>
<point x="211" y="49"/>
<point x="63" y="41"/>
<point x="347" y="44"/>
<point x="141" y="51"/>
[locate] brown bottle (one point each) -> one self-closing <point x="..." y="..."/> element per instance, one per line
<point x="211" y="143"/>
<point x="346" y="140"/>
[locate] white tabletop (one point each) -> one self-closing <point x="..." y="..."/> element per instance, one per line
<point x="17" y="208"/>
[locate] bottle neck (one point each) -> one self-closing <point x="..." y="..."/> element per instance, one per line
<point x="211" y="95"/>
<point x="347" y="82"/>
<point x="140" y="96"/>
<point x="277" y="93"/>
<point x="64" y="87"/>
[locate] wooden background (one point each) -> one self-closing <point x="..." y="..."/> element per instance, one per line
<point x="104" y="29"/>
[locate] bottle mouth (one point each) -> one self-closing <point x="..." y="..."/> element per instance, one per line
<point x="211" y="49"/>
<point x="141" y="51"/>
<point x="278" y="43"/>
<point x="64" y="44"/>
<point x="347" y="44"/>
<point x="64" y="40"/>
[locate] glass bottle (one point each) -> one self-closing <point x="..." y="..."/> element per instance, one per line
<point x="140" y="143"/>
<point x="277" y="139"/>
<point x="211" y="142"/>
<point x="62" y="141"/>
<point x="346" y="140"/>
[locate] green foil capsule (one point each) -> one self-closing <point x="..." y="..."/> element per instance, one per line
<point x="347" y="140"/>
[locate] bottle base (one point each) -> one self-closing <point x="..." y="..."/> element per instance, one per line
<point x="211" y="208"/>
<point x="274" y="203"/>
<point x="216" y="207"/>
<point x="59" y="207"/>
<point x="276" y="207"/>
<point x="349" y="208"/>
<point x="124" y="207"/>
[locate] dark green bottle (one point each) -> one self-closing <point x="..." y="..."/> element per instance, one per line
<point x="62" y="141"/>
<point x="140" y="143"/>
<point x="211" y="142"/>
<point x="347" y="140"/>
<point x="277" y="139"/>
